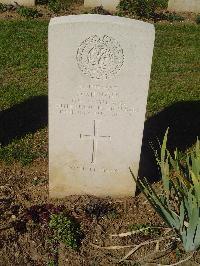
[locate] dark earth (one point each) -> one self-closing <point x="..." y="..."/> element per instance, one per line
<point x="25" y="231"/>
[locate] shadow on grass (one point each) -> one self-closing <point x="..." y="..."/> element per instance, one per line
<point x="21" y="119"/>
<point x="183" y="120"/>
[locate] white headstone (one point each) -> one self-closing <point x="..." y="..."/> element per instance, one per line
<point x="99" y="71"/>
<point x="110" y="5"/>
<point x="19" y="2"/>
<point x="184" y="5"/>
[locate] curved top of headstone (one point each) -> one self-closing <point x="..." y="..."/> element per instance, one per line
<point x="100" y="19"/>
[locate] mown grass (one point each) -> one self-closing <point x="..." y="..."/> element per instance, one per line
<point x="23" y="61"/>
<point x="175" y="73"/>
<point x="23" y="74"/>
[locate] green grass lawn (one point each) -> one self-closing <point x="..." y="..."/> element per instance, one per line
<point x="175" y="77"/>
<point x="23" y="75"/>
<point x="176" y="66"/>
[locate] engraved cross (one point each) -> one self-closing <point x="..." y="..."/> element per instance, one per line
<point x="94" y="137"/>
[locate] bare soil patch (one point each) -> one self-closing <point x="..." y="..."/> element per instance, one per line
<point x="25" y="234"/>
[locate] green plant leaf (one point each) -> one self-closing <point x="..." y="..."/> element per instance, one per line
<point x="179" y="202"/>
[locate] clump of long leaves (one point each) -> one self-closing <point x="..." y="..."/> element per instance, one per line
<point x="179" y="202"/>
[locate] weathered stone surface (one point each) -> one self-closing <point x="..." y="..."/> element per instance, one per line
<point x="106" y="4"/>
<point x="99" y="71"/>
<point x="19" y="2"/>
<point x="184" y="5"/>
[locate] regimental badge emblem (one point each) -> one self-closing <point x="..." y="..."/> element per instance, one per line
<point x="100" y="57"/>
